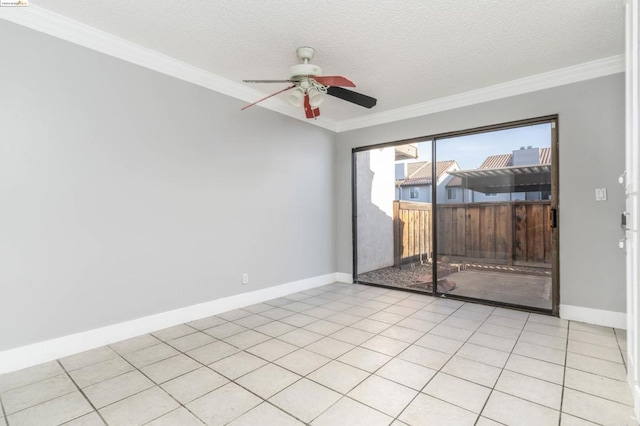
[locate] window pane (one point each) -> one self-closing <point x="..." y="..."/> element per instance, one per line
<point x="394" y="233"/>
<point x="494" y="242"/>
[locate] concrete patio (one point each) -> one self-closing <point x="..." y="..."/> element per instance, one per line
<point x="517" y="288"/>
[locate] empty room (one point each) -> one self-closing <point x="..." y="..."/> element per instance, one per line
<point x="337" y="213"/>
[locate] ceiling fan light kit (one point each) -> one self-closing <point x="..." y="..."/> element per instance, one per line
<point x="311" y="86"/>
<point x="315" y="96"/>
<point x="296" y="97"/>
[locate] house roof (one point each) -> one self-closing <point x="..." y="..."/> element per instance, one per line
<point x="455" y="182"/>
<point x="419" y="173"/>
<point x="506" y="160"/>
<point x="498" y="162"/>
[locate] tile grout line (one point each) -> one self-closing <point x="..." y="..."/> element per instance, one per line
<point x="342" y="395"/>
<point x="82" y="393"/>
<point x="564" y="373"/>
<point x="234" y="380"/>
<point x="169" y="412"/>
<point x="443" y="365"/>
<point x="345" y="395"/>
<point x="5" y="416"/>
<point x="535" y="359"/>
<point x="273" y="362"/>
<point x="142" y="373"/>
<point x="335" y="359"/>
<point x="318" y="319"/>
<point x="139" y="370"/>
<point x="501" y="369"/>
<point x="369" y="374"/>
<point x="515" y="396"/>
<point x="620" y="349"/>
<point x="393" y="357"/>
<point x="159" y="386"/>
<point x="336" y="297"/>
<point x="41" y="402"/>
<point x="565" y="367"/>
<point x="590" y="372"/>
<point x="207" y="366"/>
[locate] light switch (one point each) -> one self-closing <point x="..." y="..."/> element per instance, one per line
<point x="601" y="194"/>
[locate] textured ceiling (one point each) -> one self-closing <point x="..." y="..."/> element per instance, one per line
<point x="402" y="53"/>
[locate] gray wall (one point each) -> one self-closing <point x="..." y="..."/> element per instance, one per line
<point x="125" y="192"/>
<point x="441" y="188"/>
<point x="425" y="193"/>
<point x="591" y="124"/>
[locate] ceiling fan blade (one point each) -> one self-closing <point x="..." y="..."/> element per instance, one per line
<point x="267" y="81"/>
<point x="309" y="111"/>
<point x="353" y="97"/>
<point x="333" y="80"/>
<point x="267" y="97"/>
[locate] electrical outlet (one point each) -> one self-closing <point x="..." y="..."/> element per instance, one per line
<point x="245" y="278"/>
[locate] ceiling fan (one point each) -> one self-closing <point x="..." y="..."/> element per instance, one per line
<point x="310" y="86"/>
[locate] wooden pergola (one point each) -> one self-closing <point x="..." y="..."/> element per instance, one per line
<point x="507" y="179"/>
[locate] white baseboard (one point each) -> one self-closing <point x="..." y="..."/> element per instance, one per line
<point x="594" y="316"/>
<point x="49" y="350"/>
<point x="344" y="277"/>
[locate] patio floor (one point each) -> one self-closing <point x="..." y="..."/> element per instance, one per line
<point x="519" y="289"/>
<point x="533" y="290"/>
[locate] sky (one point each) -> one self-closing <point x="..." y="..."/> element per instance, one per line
<point x="471" y="150"/>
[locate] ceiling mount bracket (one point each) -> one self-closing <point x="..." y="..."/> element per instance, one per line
<point x="305" y="53"/>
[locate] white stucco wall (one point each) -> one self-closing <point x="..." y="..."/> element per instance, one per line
<point x="375" y="195"/>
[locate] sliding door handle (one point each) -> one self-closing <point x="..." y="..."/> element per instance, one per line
<point x="553" y="218"/>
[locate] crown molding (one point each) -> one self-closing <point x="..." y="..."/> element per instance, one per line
<point x="560" y="77"/>
<point x="67" y="29"/>
<point x="59" y="26"/>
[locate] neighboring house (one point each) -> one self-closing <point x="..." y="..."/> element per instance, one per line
<point x="413" y="180"/>
<point x="525" y="174"/>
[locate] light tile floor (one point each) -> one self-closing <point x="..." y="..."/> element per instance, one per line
<point x="342" y="354"/>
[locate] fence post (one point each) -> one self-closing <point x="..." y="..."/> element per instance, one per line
<point x="397" y="235"/>
<point x="510" y="238"/>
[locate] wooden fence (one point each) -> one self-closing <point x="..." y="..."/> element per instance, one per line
<point x="504" y="233"/>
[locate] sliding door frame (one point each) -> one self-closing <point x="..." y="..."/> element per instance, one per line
<point x="555" y="237"/>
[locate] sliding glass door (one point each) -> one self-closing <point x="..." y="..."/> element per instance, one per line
<point x="393" y="223"/>
<point x="493" y="216"/>
<point x="465" y="215"/>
